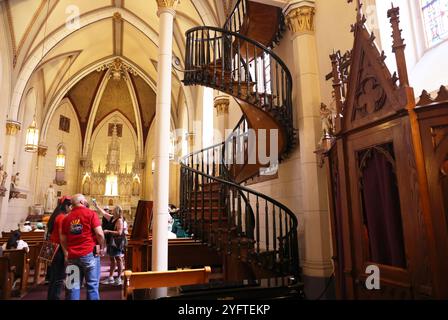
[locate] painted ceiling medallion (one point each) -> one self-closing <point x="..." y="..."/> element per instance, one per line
<point x="118" y="69"/>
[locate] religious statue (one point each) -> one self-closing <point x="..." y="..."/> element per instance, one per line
<point x="50" y="199"/>
<point x="86" y="187"/>
<point x="15" y="180"/>
<point x="135" y="188"/>
<point x="3" y="176"/>
<point x="326" y="116"/>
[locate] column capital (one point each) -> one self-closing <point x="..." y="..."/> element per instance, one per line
<point x="12" y="127"/>
<point x="189" y="136"/>
<point x="300" y="17"/>
<point x="167" y="5"/>
<point x="42" y="150"/>
<point x="221" y="103"/>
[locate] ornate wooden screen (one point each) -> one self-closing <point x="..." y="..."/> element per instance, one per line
<point x="387" y="204"/>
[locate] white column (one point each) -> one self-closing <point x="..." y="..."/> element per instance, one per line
<point x="166" y="15"/>
<point x="316" y="254"/>
<point x="12" y="128"/>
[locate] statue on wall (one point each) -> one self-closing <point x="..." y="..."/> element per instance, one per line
<point x="3" y="176"/>
<point x="135" y="188"/>
<point x="50" y="199"/>
<point x="86" y="187"/>
<point x="15" y="180"/>
<point x="327" y="116"/>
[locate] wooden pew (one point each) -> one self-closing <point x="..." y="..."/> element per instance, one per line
<point x="19" y="259"/>
<point x="6" y="278"/>
<point x="182" y="253"/>
<point x="34" y="241"/>
<point x="35" y="263"/>
<point x="25" y="235"/>
<point x="157" y="279"/>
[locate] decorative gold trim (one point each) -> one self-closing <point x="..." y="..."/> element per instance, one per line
<point x="190" y="139"/>
<point x="221" y="103"/>
<point x="117" y="16"/>
<point x="170" y="4"/>
<point x="301" y="19"/>
<point x="12" y="127"/>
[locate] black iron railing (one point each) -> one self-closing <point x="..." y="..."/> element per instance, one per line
<point x="243" y="68"/>
<point x="226" y="215"/>
<point x="238" y="17"/>
<point x="214" y="208"/>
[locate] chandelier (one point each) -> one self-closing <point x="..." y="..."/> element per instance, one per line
<point x="60" y="159"/>
<point x="32" y="137"/>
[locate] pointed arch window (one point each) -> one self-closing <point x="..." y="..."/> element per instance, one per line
<point x="435" y="20"/>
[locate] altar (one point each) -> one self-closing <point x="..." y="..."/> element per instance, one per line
<point x="113" y="185"/>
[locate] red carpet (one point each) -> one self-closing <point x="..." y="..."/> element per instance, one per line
<point x="107" y="292"/>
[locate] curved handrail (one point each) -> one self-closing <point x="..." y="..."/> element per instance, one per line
<point x="237" y="35"/>
<point x="240" y="9"/>
<point x="247" y="190"/>
<point x="227" y="70"/>
<point x="224" y="60"/>
<point x="286" y="241"/>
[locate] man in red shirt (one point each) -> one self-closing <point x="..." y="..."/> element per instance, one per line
<point x="81" y="230"/>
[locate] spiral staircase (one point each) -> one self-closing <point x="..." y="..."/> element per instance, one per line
<point x="256" y="235"/>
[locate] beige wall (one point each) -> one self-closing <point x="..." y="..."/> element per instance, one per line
<point x="333" y="20"/>
<point x="72" y="143"/>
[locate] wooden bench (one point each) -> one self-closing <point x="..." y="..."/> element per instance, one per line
<point x="6" y="278"/>
<point x="156" y="279"/>
<point x="20" y="261"/>
<point x="25" y="235"/>
<point x="182" y="253"/>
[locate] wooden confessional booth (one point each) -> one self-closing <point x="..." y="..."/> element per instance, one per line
<point x="387" y="165"/>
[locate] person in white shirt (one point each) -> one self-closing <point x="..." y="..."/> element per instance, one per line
<point x="171" y="235"/>
<point x="125" y="226"/>
<point x="15" y="243"/>
<point x="26" y="227"/>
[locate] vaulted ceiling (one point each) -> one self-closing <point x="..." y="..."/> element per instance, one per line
<point x="82" y="35"/>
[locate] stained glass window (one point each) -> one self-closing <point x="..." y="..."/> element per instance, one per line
<point x="435" y="18"/>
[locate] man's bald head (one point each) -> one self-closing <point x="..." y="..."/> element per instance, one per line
<point x="78" y="199"/>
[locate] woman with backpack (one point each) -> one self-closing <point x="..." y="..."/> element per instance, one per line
<point x="116" y="242"/>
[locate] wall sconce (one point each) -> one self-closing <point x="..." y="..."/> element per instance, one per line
<point x="32" y="138"/>
<point x="153" y="166"/>
<point x="60" y="159"/>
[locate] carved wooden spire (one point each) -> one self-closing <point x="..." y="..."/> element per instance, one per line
<point x="337" y="81"/>
<point x="398" y="45"/>
<point x="359" y="5"/>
